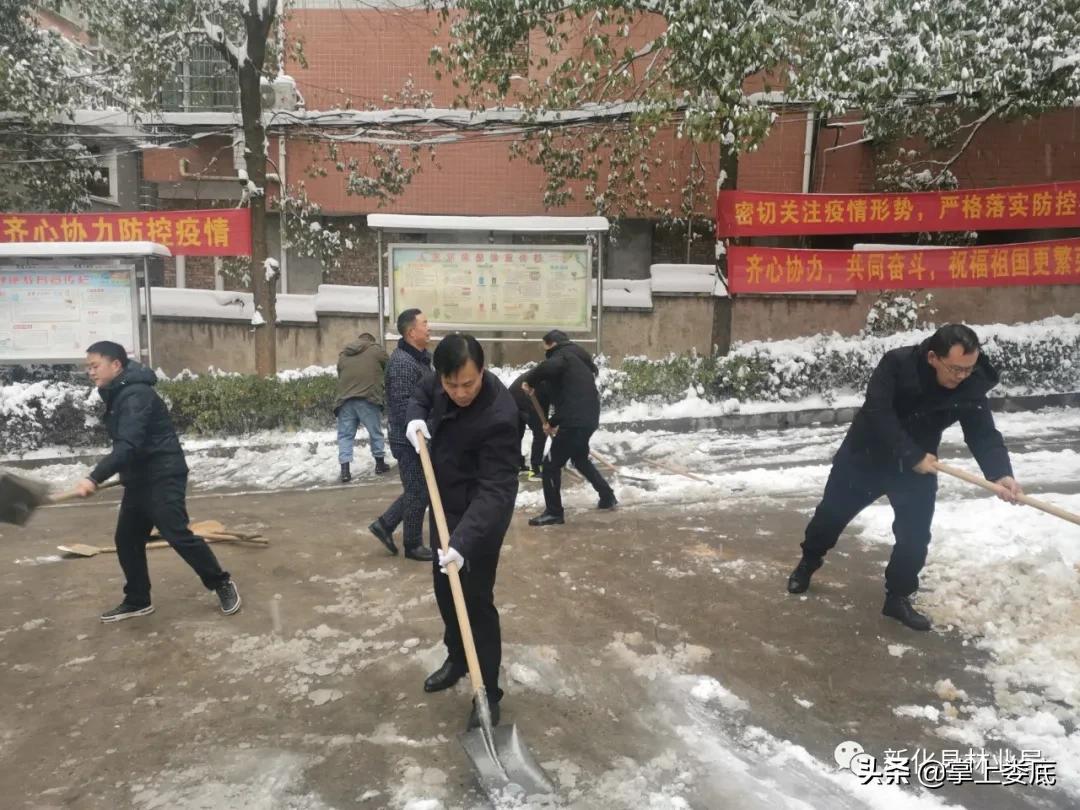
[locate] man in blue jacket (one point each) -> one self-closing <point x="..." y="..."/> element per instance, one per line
<point x="891" y="448"/>
<point x="472" y="422"/>
<point x="147" y="454"/>
<point x="408" y="364"/>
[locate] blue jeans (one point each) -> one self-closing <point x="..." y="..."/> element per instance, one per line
<point x="352" y="414"/>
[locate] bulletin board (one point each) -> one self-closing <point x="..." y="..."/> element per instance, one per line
<point x="51" y="313"/>
<point x="494" y="287"/>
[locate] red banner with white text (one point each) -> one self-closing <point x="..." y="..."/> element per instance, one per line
<point x="207" y="232"/>
<point x="775" y="270"/>
<point x="753" y="213"/>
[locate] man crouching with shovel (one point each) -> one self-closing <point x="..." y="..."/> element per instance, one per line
<point x="147" y="454"/>
<point x="471" y="421"/>
<point x="891" y="449"/>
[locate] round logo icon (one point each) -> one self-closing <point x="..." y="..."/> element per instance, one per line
<point x="845" y="751"/>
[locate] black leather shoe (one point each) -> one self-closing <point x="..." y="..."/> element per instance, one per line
<point x="608" y="502"/>
<point x="799" y="580"/>
<point x="547" y="519"/>
<point x="385" y="537"/>
<point x="346" y="475"/>
<point x="474" y="716"/>
<point x="381" y="466"/>
<point x="444" y="677"/>
<point x="421" y="553"/>
<point x="899" y="608"/>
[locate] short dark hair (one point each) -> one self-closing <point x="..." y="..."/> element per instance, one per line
<point x="113" y="351"/>
<point x="953" y="334"/>
<point x="406" y="319"/>
<point x="556" y="336"/>
<point x="454" y="351"/>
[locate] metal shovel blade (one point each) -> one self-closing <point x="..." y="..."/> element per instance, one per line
<point x="19" y="497"/>
<point x="512" y="770"/>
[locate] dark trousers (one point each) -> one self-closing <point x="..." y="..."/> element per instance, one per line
<point x="572" y="444"/>
<point x="478" y="585"/>
<point x="530" y="420"/>
<point x="410" y="506"/>
<point x="852" y="486"/>
<point x="161" y="504"/>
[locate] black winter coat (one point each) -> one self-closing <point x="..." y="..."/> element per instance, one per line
<point x="145" y="446"/>
<point x="570" y="373"/>
<point x="524" y="404"/>
<point x="476" y="454"/>
<point x="906" y="411"/>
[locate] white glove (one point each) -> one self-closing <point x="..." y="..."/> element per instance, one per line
<point x="410" y="432"/>
<point x="451" y="556"/>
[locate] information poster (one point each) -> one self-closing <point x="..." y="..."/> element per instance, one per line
<point x="494" y="287"/>
<point x="53" y="314"/>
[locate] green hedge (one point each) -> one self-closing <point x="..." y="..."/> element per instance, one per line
<point x="238" y="404"/>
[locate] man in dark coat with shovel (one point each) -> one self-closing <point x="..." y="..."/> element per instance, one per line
<point x="147" y="454"/>
<point x="472" y="424"/>
<point x="530" y="418"/>
<point x="891" y="449"/>
<point x="570" y="373"/>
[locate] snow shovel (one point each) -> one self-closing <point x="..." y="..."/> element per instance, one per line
<point x="499" y="754"/>
<point x="997" y="489"/>
<point x="20" y="497"/>
<point x="85" y="550"/>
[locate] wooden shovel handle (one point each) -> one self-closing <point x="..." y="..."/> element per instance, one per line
<point x="72" y="495"/>
<point x="673" y="469"/>
<point x="539" y="410"/>
<point x="997" y="489"/>
<point x="451" y="570"/>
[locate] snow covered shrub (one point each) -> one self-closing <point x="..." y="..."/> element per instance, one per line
<point x="239" y="404"/>
<point x="664" y="380"/>
<point x="899" y="311"/>
<point x="33" y="414"/>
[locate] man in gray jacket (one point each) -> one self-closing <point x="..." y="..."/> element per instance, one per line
<point x="360" y="398"/>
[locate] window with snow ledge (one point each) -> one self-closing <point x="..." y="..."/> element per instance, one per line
<point x="103" y="185"/>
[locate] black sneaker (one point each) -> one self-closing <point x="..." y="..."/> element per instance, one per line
<point x="229" y="596"/>
<point x="126" y="611"/>
<point x="799" y="580"/>
<point x="899" y="608"/>
<point x="346" y="474"/>
<point x="381" y="466"/>
<point x="378" y="528"/>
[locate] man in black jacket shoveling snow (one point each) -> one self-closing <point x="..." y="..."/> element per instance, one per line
<point x="570" y="373"/>
<point x="891" y="448"/>
<point x="472" y="424"/>
<point x="147" y="454"/>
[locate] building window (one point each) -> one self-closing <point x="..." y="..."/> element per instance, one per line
<point x="204" y="82"/>
<point x="103" y="184"/>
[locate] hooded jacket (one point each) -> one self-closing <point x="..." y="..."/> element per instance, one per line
<point x="906" y="411"/>
<point x="475" y="452"/>
<point x="570" y="373"/>
<point x="145" y="446"/>
<point x="360" y="369"/>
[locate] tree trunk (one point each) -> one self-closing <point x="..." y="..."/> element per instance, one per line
<point x="723" y="313"/>
<point x="265" y="292"/>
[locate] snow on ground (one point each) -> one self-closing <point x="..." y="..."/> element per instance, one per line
<point x="1008" y="581"/>
<point x="1003" y="577"/>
